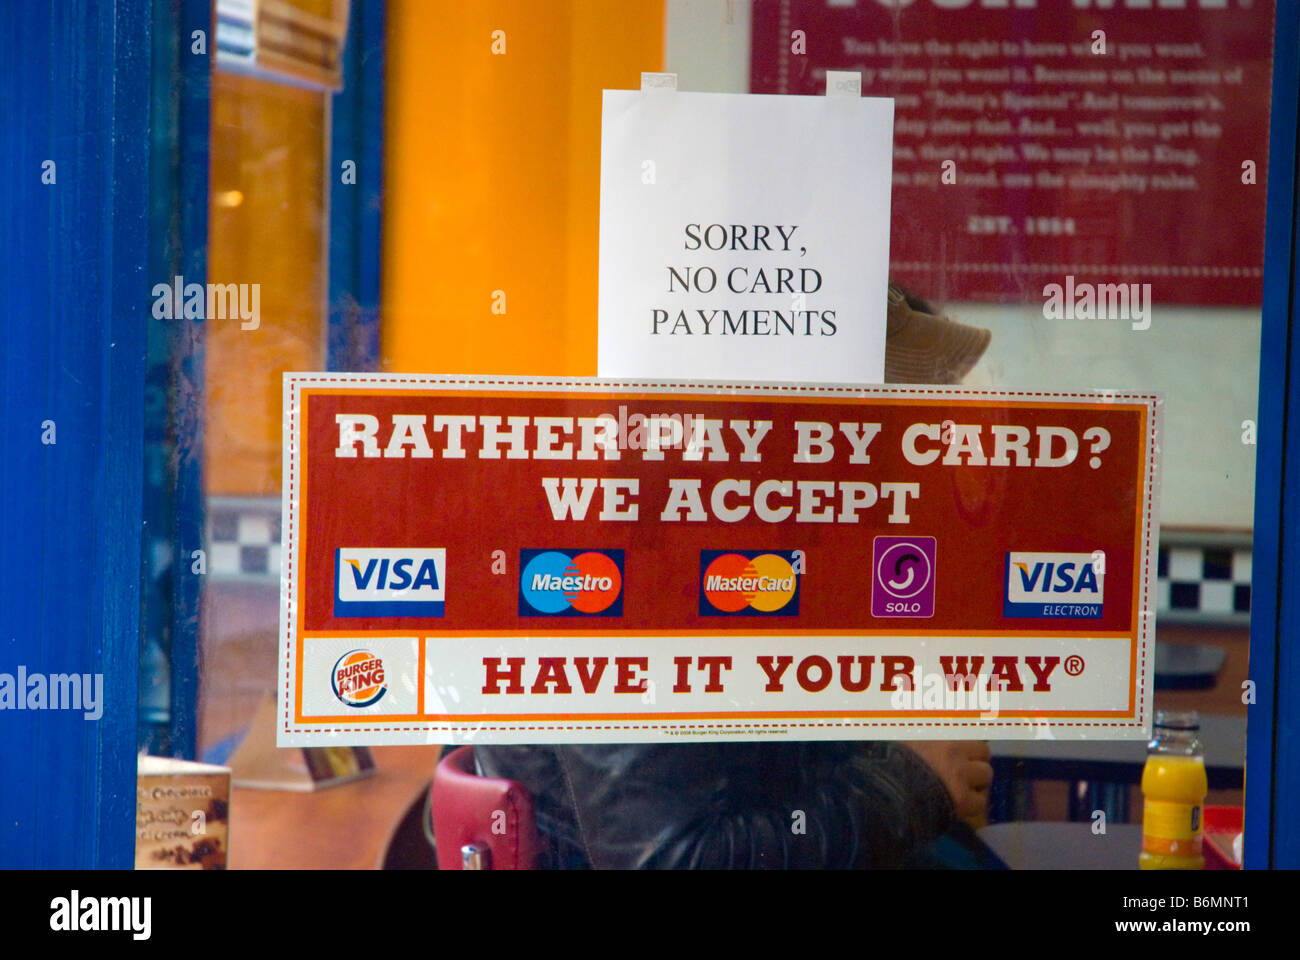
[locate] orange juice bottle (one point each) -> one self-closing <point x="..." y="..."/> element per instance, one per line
<point x="1173" y="792"/>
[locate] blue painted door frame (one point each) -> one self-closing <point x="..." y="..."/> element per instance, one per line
<point x="74" y="188"/>
<point x="173" y="517"/>
<point x="357" y="193"/>
<point x="1273" y="724"/>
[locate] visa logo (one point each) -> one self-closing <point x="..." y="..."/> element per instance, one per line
<point x="1053" y="585"/>
<point x="404" y="582"/>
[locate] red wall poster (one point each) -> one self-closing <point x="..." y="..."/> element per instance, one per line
<point x="1116" y="142"/>
<point x="538" y="560"/>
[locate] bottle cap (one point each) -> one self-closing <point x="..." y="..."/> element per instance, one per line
<point x="1178" y="720"/>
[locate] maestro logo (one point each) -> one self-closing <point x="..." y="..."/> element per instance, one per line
<point x="902" y="576"/>
<point x="358" y="678"/>
<point x="405" y="582"/>
<point x="571" y="583"/>
<point x="1054" y="585"/>
<point x="748" y="583"/>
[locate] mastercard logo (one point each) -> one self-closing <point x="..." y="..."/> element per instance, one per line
<point x="574" y="583"/>
<point x="358" y="678"/>
<point x="748" y="583"/>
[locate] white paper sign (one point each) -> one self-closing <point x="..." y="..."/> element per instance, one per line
<point x="744" y="236"/>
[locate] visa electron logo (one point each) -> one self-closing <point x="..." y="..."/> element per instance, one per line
<point x="405" y="582"/>
<point x="358" y="678"/>
<point x="1054" y="585"/>
<point x="571" y="583"/>
<point x="748" y="583"/>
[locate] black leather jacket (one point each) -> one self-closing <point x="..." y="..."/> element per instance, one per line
<point x="727" y="805"/>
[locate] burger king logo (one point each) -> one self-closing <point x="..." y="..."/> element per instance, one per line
<point x="358" y="678"/>
<point x="748" y="583"/>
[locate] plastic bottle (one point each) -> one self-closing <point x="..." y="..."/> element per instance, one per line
<point x="1173" y="791"/>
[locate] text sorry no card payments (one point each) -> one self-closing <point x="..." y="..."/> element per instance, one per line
<point x="511" y="560"/>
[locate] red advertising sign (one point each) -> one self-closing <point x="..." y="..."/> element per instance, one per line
<point x="527" y="560"/>
<point x="1113" y="142"/>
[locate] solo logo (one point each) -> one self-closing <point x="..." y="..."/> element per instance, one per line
<point x="406" y="582"/>
<point x="903" y="576"/>
<point x="571" y="583"/>
<point x="358" y="678"/>
<point x="1053" y="585"/>
<point x="748" y="583"/>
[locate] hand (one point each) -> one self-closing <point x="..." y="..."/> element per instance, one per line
<point x="965" y="769"/>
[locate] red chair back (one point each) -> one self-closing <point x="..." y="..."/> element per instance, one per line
<point x="485" y="813"/>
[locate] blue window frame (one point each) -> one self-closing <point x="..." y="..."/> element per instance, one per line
<point x="1272" y="746"/>
<point x="73" y="257"/>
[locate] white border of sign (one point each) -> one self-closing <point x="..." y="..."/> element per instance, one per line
<point x="373" y="729"/>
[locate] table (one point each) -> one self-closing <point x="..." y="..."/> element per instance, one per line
<point x="1065" y="846"/>
<point x="348" y="826"/>
<point x="1187" y="666"/>
<point x="1121" y="761"/>
<point x="1107" y="767"/>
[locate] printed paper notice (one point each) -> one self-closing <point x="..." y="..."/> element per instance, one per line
<point x="744" y="236"/>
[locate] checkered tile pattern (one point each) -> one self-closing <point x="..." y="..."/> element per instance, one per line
<point x="244" y="539"/>
<point x="1203" y="582"/>
<point x="1194" y="581"/>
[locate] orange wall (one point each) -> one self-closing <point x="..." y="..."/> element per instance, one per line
<point x="266" y="226"/>
<point x="492" y="178"/>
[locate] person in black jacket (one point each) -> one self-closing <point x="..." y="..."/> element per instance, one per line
<point x="742" y="805"/>
<point x="766" y="804"/>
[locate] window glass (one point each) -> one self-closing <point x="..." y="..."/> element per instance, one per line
<point x="1058" y="147"/>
